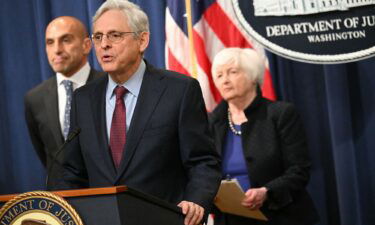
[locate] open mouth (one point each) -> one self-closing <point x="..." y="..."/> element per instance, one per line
<point x="107" y="58"/>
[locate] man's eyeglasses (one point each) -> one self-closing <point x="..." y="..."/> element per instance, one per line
<point x="114" y="36"/>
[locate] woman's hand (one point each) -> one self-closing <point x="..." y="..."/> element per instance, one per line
<point x="255" y="198"/>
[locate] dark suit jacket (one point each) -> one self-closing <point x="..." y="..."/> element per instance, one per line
<point x="276" y="154"/>
<point x="42" y="118"/>
<point x="169" y="152"/>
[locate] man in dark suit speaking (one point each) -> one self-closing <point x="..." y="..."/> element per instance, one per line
<point x="140" y="126"/>
<point x="47" y="106"/>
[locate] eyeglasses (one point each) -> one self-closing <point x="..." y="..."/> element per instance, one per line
<point x="114" y="36"/>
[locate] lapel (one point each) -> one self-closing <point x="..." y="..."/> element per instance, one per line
<point x="220" y="124"/>
<point x="94" y="75"/>
<point x="52" y="109"/>
<point x="151" y="90"/>
<point x="254" y="114"/>
<point x="221" y="127"/>
<point x="248" y="146"/>
<point x="99" y="115"/>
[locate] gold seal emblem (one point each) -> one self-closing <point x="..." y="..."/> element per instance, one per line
<point x="38" y="208"/>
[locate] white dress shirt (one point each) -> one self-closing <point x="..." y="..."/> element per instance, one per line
<point x="79" y="79"/>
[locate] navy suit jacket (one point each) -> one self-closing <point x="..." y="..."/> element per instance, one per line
<point x="169" y="152"/>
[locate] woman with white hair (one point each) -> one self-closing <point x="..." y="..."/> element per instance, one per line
<point x="262" y="143"/>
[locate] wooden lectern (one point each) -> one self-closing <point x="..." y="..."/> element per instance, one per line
<point x="119" y="205"/>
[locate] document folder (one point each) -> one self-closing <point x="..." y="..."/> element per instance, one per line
<point x="229" y="198"/>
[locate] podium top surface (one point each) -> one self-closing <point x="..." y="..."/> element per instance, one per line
<point x="78" y="192"/>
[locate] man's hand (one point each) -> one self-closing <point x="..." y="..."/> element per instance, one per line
<point x="255" y="198"/>
<point x="194" y="213"/>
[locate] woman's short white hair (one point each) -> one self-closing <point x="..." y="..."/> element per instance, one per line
<point x="245" y="59"/>
<point x="136" y="18"/>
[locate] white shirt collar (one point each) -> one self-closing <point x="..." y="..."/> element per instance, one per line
<point x="79" y="78"/>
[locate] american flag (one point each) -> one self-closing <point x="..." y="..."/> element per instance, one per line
<point x="198" y="29"/>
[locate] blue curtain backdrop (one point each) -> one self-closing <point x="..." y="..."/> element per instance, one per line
<point x="336" y="103"/>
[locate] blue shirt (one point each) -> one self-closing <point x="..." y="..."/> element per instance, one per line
<point x="234" y="164"/>
<point x="133" y="85"/>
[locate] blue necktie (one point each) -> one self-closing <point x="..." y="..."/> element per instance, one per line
<point x="69" y="92"/>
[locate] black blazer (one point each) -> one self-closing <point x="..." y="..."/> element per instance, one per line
<point x="42" y="118"/>
<point x="276" y="154"/>
<point x="169" y="152"/>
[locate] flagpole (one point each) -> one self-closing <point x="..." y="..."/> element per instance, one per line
<point x="193" y="64"/>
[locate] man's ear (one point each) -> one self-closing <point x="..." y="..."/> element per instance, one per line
<point x="144" y="39"/>
<point x="87" y="45"/>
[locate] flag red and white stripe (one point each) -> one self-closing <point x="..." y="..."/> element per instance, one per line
<point x="214" y="27"/>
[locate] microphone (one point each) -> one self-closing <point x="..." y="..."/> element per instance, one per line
<point x="71" y="136"/>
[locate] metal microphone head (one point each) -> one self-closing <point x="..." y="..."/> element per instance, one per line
<point x="73" y="134"/>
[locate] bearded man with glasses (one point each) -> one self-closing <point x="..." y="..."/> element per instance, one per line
<point x="141" y="126"/>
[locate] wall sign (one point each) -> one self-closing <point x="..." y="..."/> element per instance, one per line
<point x="316" y="31"/>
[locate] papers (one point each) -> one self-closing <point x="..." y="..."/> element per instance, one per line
<point x="229" y="198"/>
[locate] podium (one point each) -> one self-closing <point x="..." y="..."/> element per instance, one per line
<point x="118" y="205"/>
